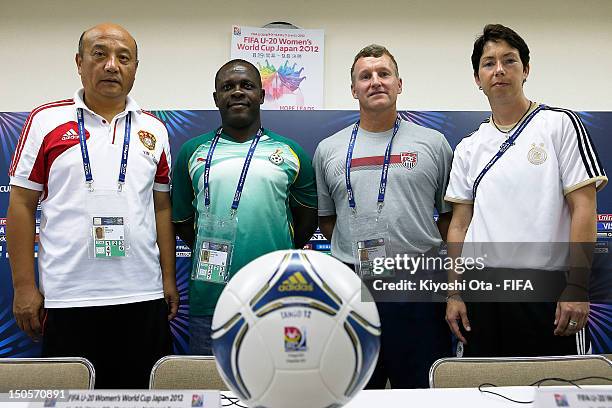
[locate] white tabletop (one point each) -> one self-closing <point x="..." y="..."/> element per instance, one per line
<point x="449" y="397"/>
<point x="442" y="397"/>
<point x="414" y="398"/>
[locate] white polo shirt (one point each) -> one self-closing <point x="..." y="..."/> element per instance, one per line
<point x="48" y="159"/>
<point x="522" y="197"/>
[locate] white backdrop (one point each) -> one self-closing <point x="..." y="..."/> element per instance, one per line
<point x="183" y="42"/>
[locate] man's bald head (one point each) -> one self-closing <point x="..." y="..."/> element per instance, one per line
<point x="103" y="28"/>
<point x="238" y="65"/>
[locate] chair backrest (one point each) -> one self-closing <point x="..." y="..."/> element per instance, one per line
<point x="74" y="373"/>
<point x="517" y="371"/>
<point x="186" y="373"/>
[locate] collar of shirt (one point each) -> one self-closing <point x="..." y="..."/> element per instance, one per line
<point x="130" y="106"/>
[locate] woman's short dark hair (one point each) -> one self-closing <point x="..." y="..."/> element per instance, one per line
<point x="496" y="33"/>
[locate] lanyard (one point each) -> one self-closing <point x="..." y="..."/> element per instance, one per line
<point x="504" y="148"/>
<point x="85" y="154"/>
<point x="243" y="174"/>
<point x="385" y="170"/>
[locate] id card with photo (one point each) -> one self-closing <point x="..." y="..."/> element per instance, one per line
<point x="107" y="225"/>
<point x="214" y="248"/>
<point x="370" y="240"/>
<point x="213" y="262"/>
<point x="108" y="237"/>
<point x="367" y="251"/>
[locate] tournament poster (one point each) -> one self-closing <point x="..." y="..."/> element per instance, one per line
<point x="290" y="62"/>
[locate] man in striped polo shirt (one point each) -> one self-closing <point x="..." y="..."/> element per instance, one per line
<point x="418" y="160"/>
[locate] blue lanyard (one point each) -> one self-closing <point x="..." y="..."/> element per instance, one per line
<point x="504" y="148"/>
<point x="85" y="154"/>
<point x="243" y="174"/>
<point x="385" y="170"/>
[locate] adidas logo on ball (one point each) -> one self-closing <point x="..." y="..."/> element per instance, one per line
<point x="295" y="282"/>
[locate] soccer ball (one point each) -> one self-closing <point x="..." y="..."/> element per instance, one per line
<point x="290" y="330"/>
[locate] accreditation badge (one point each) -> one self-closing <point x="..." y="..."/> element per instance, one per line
<point x="109" y="237"/>
<point x="370" y="240"/>
<point x="107" y="213"/>
<point x="216" y="237"/>
<point x="368" y="250"/>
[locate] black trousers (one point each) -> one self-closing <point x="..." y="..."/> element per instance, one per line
<point x="515" y="330"/>
<point x="123" y="342"/>
<point x="414" y="335"/>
